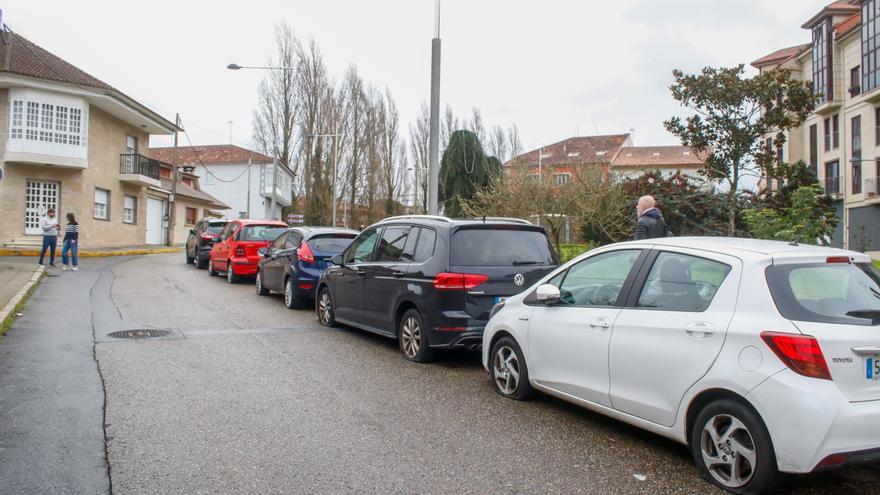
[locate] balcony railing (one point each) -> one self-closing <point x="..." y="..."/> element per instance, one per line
<point x="139" y="164"/>
<point x="871" y="187"/>
<point x="832" y="185"/>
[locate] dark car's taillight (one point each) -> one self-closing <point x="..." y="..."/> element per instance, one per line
<point x="458" y="281"/>
<point x="305" y="253"/>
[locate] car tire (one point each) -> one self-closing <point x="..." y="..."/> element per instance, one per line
<point x="231" y="277"/>
<point x="189" y="259"/>
<point x="412" y="338"/>
<point x="211" y="272"/>
<point x="510" y="374"/>
<point x="734" y="436"/>
<point x="201" y="264"/>
<point x="324" y="308"/>
<point x="258" y="283"/>
<point x="290" y="299"/>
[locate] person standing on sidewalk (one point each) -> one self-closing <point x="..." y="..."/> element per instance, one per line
<point x="71" y="241"/>
<point x="650" y="224"/>
<point x="49" y="227"/>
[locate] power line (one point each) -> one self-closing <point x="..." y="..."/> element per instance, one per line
<point x="199" y="159"/>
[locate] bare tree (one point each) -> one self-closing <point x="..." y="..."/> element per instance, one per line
<point x="419" y="135"/>
<point x="498" y="143"/>
<point x="513" y="141"/>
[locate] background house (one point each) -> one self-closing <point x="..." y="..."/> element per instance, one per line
<point x="247" y="182"/>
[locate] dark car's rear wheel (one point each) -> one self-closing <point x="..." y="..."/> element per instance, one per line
<point x="290" y="298"/>
<point x="200" y="263"/>
<point x="732" y="448"/>
<point x="231" y="277"/>
<point x="510" y="375"/>
<point x="261" y="290"/>
<point x="413" y="338"/>
<point x="324" y="307"/>
<point x="211" y="271"/>
<point x="189" y="259"/>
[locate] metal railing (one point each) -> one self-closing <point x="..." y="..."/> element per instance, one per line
<point x="832" y="185"/>
<point x="139" y="164"/>
<point x="871" y="186"/>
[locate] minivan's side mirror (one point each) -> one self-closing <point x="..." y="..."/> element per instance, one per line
<point x="263" y="251"/>
<point x="547" y="294"/>
<point x="336" y="260"/>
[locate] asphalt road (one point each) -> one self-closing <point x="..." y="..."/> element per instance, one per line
<point x="247" y="396"/>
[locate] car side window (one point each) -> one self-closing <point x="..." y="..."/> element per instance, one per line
<point x="597" y="280"/>
<point x="293" y="240"/>
<point x="425" y="245"/>
<point x="226" y="232"/>
<point x="361" y="249"/>
<point x="679" y="282"/>
<point x="278" y="244"/>
<point x="392" y="244"/>
<point x="409" y="250"/>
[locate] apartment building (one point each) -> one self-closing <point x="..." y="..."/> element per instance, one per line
<point x="72" y="142"/>
<point x="249" y="183"/>
<point x="841" y="139"/>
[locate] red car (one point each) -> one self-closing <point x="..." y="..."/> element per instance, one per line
<point x="236" y="249"/>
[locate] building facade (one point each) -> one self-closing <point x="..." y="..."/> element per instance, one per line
<point x="71" y="142"/>
<point x="249" y="183"/>
<point x="841" y="139"/>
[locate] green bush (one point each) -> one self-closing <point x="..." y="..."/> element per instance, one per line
<point x="568" y="252"/>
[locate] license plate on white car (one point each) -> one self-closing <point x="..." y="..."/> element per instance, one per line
<point x="872" y="368"/>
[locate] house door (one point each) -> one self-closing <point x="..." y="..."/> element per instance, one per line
<point x="40" y="196"/>
<point x="155" y="216"/>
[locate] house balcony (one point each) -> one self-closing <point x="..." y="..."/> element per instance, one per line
<point x="832" y="187"/>
<point x="139" y="170"/>
<point x="871" y="188"/>
<point x="275" y="183"/>
<point x="829" y="107"/>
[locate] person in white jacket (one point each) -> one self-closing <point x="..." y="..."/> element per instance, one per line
<point x="49" y="226"/>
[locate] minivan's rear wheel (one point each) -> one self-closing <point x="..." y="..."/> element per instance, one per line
<point x="732" y="448"/>
<point x="510" y="375"/>
<point x="324" y="308"/>
<point x="261" y="290"/>
<point x="290" y="299"/>
<point x="231" y="277"/>
<point x="413" y="338"/>
<point x="211" y="271"/>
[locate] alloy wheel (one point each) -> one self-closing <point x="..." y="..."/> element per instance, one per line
<point x="411" y="335"/>
<point x="325" y="308"/>
<point x="506" y="370"/>
<point x="259" y="283"/>
<point x="728" y="451"/>
<point x="230" y="276"/>
<point x="288" y="293"/>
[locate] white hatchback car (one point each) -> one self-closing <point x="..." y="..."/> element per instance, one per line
<point x="763" y="357"/>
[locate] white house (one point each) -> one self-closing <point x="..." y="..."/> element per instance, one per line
<point x="245" y="180"/>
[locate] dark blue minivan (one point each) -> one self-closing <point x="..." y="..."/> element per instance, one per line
<point x="294" y="262"/>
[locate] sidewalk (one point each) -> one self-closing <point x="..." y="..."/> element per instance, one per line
<point x="17" y="280"/>
<point x="95" y="252"/>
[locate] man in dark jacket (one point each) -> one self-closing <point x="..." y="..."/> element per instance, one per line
<point x="650" y="224"/>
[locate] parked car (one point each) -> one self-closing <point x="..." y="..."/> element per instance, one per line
<point x="761" y="356"/>
<point x="430" y="281"/>
<point x="294" y="262"/>
<point x="201" y="240"/>
<point x="236" y="249"/>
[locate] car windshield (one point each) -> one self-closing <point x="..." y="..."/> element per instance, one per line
<point x="261" y="232"/>
<point x="331" y="243"/>
<point x="215" y="228"/>
<point x="827" y="292"/>
<point x="500" y="247"/>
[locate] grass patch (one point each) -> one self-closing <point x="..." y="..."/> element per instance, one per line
<point x="10" y="318"/>
<point x="877" y="264"/>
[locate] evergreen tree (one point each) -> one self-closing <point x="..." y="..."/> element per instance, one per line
<point x="464" y="171"/>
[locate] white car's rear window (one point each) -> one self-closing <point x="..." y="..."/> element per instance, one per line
<point x="827" y="292"/>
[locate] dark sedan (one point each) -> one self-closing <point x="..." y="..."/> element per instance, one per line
<point x="294" y="262"/>
<point x="201" y="239"/>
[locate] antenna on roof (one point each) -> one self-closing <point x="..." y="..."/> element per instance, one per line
<point x="594" y="125"/>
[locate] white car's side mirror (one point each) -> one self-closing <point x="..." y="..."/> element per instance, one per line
<point x="547" y="294"/>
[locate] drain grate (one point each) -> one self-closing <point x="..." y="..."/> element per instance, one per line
<point x="140" y="333"/>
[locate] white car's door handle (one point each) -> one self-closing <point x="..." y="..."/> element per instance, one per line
<point x="699" y="330"/>
<point x="600" y="322"/>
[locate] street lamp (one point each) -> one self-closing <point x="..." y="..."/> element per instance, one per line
<point x="275" y="151"/>
<point x="335" y="137"/>
<point x="434" y="140"/>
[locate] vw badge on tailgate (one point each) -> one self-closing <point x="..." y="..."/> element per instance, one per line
<point x="519" y="280"/>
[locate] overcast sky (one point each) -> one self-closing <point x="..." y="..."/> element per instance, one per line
<point x="553" y="67"/>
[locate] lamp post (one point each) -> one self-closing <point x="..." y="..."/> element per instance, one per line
<point x="434" y="140"/>
<point x="234" y="66"/>
<point x="335" y="137"/>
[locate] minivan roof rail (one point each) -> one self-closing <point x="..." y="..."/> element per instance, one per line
<point x="416" y="217"/>
<point x="506" y="219"/>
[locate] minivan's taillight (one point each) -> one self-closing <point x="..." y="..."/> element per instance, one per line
<point x="239" y="251"/>
<point x="801" y="353"/>
<point x="458" y="281"/>
<point x="305" y="253"/>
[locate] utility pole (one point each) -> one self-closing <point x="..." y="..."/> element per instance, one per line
<point x="169" y="232"/>
<point x="272" y="186"/>
<point x="434" y="141"/>
<point x="335" y="163"/>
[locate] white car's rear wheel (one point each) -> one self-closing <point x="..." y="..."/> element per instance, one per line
<point x="732" y="448"/>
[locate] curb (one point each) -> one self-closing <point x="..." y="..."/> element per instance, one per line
<point x="9" y="312"/>
<point x="94" y="254"/>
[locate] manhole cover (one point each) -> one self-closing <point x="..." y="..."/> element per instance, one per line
<point x="140" y="333"/>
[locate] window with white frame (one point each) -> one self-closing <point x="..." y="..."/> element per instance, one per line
<point x="561" y="179"/>
<point x="39" y="121"/>
<point x="129" y="209"/>
<point x="102" y="204"/>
